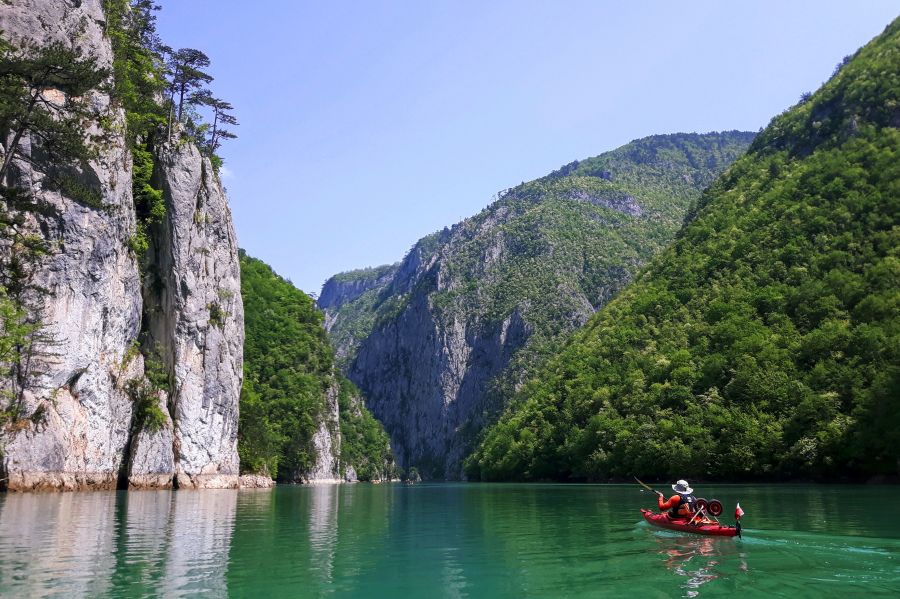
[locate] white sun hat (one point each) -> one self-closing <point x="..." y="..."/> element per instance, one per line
<point x="682" y="487"/>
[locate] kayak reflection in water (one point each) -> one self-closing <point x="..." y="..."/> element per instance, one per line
<point x="701" y="560"/>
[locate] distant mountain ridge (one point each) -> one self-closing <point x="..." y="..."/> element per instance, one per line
<point x="438" y="341"/>
<point x="346" y="287"/>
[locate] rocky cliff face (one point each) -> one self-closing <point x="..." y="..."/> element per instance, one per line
<point x="327" y="443"/>
<point x="92" y="307"/>
<point x="426" y="379"/>
<point x="196" y="317"/>
<point x="347" y="300"/>
<point x="74" y="429"/>
<point x="438" y="347"/>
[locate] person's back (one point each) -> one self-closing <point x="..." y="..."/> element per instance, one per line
<point x="680" y="505"/>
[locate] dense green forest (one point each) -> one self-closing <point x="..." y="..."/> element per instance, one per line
<point x="289" y="371"/>
<point x="765" y="342"/>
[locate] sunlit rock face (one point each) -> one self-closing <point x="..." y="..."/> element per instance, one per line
<point x="327" y="443"/>
<point x="77" y="426"/>
<point x="197" y="316"/>
<point x="91" y="309"/>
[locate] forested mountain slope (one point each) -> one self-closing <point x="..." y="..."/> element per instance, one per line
<point x="766" y="340"/>
<point x="300" y="420"/>
<point x="436" y="342"/>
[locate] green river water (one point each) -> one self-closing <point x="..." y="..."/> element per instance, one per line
<point x="445" y="540"/>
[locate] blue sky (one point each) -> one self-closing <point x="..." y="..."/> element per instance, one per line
<point x="367" y="125"/>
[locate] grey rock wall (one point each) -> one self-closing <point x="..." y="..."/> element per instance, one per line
<point x="92" y="305"/>
<point x="197" y="317"/>
<point x="327" y="443"/>
<point x="425" y="379"/>
<point x="77" y="426"/>
<point x="151" y="458"/>
<point x="338" y="290"/>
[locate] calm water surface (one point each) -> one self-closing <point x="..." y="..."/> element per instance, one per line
<point x="447" y="540"/>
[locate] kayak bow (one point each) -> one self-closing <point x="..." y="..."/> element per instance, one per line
<point x="684" y="525"/>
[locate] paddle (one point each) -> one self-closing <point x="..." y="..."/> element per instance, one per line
<point x="646" y="486"/>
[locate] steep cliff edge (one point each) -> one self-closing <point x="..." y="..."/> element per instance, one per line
<point x="78" y="418"/>
<point x="347" y="287"/>
<point x="471" y="309"/>
<point x="72" y="423"/>
<point x="192" y="295"/>
<point x="348" y="300"/>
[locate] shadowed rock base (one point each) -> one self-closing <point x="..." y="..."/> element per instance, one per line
<point x="61" y="481"/>
<point x="107" y="481"/>
<point x="150" y="482"/>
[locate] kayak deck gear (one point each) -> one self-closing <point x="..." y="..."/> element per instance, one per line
<point x="687" y="525"/>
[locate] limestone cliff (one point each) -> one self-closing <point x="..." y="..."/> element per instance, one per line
<point x="326" y="442"/>
<point x="347" y="301"/>
<point x="196" y="317"/>
<point x="75" y="413"/>
<point x="349" y="286"/>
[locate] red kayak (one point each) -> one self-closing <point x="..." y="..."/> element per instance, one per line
<point x="682" y="524"/>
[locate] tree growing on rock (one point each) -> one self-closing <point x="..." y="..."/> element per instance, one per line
<point x="221" y="117"/>
<point x="42" y="93"/>
<point x="186" y="67"/>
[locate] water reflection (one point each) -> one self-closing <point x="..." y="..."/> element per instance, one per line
<point x="200" y="525"/>
<point x="142" y="539"/>
<point x="115" y="544"/>
<point x="698" y="559"/>
<point x="323" y="530"/>
<point x="387" y="541"/>
<point x="56" y="544"/>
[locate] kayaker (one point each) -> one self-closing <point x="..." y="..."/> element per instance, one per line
<point x="680" y="505"/>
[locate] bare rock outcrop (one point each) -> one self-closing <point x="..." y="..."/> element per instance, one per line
<point x="256" y="481"/>
<point x="75" y="410"/>
<point x="77" y="423"/>
<point x="327" y="443"/>
<point x="151" y="459"/>
<point x="196" y="317"/>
